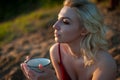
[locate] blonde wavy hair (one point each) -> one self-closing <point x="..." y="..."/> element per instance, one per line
<point x="94" y="24"/>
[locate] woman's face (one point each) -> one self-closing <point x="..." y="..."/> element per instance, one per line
<point x="68" y="26"/>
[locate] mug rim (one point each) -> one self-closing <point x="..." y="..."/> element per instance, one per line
<point x="37" y="66"/>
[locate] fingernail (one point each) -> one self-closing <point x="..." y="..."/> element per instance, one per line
<point x="27" y="57"/>
<point x="40" y="66"/>
<point x="21" y="64"/>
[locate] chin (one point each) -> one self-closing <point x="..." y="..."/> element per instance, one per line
<point x="58" y="41"/>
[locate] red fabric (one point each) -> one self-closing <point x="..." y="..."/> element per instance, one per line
<point x="65" y="75"/>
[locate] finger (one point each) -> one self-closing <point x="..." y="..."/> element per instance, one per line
<point x="29" y="73"/>
<point x="26" y="68"/>
<point x="40" y="66"/>
<point x="22" y="68"/>
<point x="27" y="58"/>
<point x="44" y="69"/>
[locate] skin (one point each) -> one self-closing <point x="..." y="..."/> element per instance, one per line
<point x="69" y="31"/>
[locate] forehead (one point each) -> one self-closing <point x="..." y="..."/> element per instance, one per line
<point x="67" y="12"/>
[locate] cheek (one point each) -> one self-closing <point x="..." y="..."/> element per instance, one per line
<point x="71" y="34"/>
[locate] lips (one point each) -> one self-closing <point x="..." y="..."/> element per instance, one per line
<point x="56" y="35"/>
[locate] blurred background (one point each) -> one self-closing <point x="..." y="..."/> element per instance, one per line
<point x="26" y="29"/>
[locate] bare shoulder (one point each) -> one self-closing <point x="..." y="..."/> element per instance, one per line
<point x="105" y="67"/>
<point x="105" y="59"/>
<point x="54" y="52"/>
<point x="54" y="48"/>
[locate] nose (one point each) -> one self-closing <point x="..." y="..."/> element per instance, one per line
<point x="56" y="25"/>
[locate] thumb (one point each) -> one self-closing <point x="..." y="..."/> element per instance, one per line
<point x="41" y="67"/>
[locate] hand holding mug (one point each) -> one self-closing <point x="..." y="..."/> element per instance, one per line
<point x="33" y="70"/>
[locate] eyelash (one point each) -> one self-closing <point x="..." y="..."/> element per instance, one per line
<point x="65" y="22"/>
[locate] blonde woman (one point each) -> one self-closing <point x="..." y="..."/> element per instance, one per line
<point x="80" y="51"/>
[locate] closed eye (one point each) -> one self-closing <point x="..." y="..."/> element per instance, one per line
<point x="66" y="21"/>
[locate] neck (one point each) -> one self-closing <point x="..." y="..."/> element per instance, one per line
<point x="74" y="47"/>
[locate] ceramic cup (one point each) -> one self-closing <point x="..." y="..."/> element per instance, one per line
<point x="34" y="63"/>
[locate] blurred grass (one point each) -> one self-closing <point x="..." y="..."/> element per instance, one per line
<point x="27" y="23"/>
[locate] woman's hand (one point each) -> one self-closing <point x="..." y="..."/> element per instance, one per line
<point x="47" y="74"/>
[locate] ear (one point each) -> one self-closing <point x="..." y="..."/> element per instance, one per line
<point x="84" y="32"/>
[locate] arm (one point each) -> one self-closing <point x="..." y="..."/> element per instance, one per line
<point x="55" y="59"/>
<point x="106" y="69"/>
